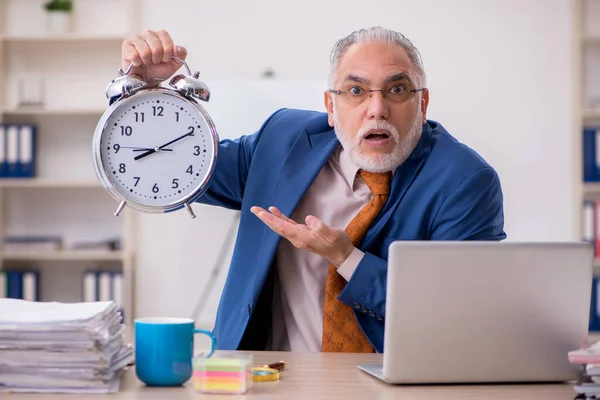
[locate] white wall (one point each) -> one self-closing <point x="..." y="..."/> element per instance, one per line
<point x="499" y="73"/>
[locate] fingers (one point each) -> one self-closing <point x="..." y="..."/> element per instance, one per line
<point x="166" y="44"/>
<point x="150" y="48"/>
<point x="330" y="235"/>
<point x="134" y="50"/>
<point x="278" y="225"/>
<point x="275" y="211"/>
<point x="180" y="52"/>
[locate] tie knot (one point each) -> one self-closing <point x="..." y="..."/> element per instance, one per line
<point x="378" y="182"/>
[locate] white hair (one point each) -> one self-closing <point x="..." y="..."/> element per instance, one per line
<point x="377" y="34"/>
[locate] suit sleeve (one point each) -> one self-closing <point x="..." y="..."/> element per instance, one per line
<point x="473" y="211"/>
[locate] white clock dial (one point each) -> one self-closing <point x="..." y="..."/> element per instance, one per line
<point x="157" y="148"/>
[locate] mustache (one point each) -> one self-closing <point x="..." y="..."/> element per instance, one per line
<point x="379" y="125"/>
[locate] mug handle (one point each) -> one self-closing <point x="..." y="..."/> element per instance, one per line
<point x="213" y="340"/>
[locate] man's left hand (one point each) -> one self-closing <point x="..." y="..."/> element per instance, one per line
<point x="331" y="243"/>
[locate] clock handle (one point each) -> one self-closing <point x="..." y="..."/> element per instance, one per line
<point x="189" y="208"/>
<point x="120" y="208"/>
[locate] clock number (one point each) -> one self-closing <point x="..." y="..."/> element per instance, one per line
<point x="137" y="179"/>
<point x="116" y="147"/>
<point x="155" y="188"/>
<point x="139" y="117"/>
<point x="126" y="130"/>
<point x="177" y="116"/>
<point x="189" y="170"/>
<point x="196" y="150"/>
<point x="122" y="168"/>
<point x="158" y="111"/>
<point x="175" y="183"/>
<point x="191" y="130"/>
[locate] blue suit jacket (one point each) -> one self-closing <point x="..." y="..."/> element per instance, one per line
<point x="444" y="191"/>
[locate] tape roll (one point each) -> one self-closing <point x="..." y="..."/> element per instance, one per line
<point x="262" y="374"/>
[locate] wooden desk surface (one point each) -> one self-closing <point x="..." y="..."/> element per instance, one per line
<point x="326" y="376"/>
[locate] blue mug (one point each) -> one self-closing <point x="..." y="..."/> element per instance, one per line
<point x="164" y="350"/>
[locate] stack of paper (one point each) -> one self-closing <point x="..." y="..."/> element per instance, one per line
<point x="61" y="347"/>
<point x="588" y="385"/>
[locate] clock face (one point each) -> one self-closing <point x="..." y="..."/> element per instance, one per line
<point x="157" y="149"/>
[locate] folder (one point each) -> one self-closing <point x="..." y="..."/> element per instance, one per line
<point x="588" y="222"/>
<point x="3" y="166"/>
<point x="117" y="289"/>
<point x="104" y="286"/>
<point x="12" y="150"/>
<point x="597" y="228"/>
<point x="26" y="158"/>
<point x="30" y="286"/>
<point x="3" y="293"/>
<point x="90" y="286"/>
<point x="117" y="293"/>
<point x="14" y="284"/>
<point x="594" y="324"/>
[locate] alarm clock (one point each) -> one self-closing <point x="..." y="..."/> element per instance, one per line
<point x="155" y="148"/>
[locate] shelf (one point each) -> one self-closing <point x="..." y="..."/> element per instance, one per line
<point x="591" y="39"/>
<point x="65" y="38"/>
<point x="61" y="112"/>
<point x="591" y="114"/>
<point x="47" y="183"/>
<point x="66" y="255"/>
<point x="592" y="188"/>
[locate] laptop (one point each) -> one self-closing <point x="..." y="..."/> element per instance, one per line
<point x="475" y="312"/>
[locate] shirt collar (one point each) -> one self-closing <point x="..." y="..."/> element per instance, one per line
<point x="347" y="167"/>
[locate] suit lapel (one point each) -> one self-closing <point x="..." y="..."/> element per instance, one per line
<point x="304" y="161"/>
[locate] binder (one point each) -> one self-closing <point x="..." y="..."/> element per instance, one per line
<point x="14" y="284"/>
<point x="588" y="222"/>
<point x="117" y="289"/>
<point x="594" y="324"/>
<point x="3" y="294"/>
<point x="597" y="228"/>
<point x="12" y="150"/>
<point x="90" y="286"/>
<point x="3" y="166"/>
<point x="591" y="153"/>
<point x="104" y="286"/>
<point x="26" y="158"/>
<point x="30" y="286"/>
<point x="117" y="293"/>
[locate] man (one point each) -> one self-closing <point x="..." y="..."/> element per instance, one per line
<point x="338" y="197"/>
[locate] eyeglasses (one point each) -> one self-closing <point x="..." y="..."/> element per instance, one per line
<point x="354" y="95"/>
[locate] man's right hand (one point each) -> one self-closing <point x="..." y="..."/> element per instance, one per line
<point x="151" y="54"/>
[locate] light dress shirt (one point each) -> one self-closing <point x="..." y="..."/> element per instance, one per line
<point x="336" y="196"/>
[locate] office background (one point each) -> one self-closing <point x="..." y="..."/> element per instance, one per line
<point x="510" y="78"/>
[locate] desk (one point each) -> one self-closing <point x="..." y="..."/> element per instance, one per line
<point x="325" y="376"/>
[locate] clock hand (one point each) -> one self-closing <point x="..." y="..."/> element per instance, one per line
<point x="147" y="149"/>
<point x="163" y="146"/>
<point x="141" y="148"/>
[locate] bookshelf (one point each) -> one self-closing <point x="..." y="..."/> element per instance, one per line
<point x="587" y="115"/>
<point x="65" y="112"/>
<point x="63" y="38"/>
<point x="68" y="72"/>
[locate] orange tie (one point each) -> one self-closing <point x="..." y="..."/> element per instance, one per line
<point x="341" y="332"/>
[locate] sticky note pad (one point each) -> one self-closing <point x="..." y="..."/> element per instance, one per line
<point x="223" y="373"/>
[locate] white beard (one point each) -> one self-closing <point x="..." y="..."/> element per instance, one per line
<point x="381" y="162"/>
